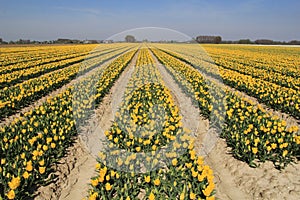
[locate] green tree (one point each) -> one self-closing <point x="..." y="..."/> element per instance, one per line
<point x="130" y="38"/>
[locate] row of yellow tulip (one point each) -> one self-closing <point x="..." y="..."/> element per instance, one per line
<point x="19" y="56"/>
<point x="22" y="94"/>
<point x="11" y="78"/>
<point x="282" y="60"/>
<point x="14" y="55"/>
<point x="272" y="77"/>
<point x="148" y="154"/>
<point x="252" y="132"/>
<point x="277" y="97"/>
<point x="37" y="58"/>
<point x="44" y="59"/>
<point x="242" y="65"/>
<point x="34" y="142"/>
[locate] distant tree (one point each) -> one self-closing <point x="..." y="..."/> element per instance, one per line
<point x="130" y="38"/>
<point x="209" y="39"/>
<point x="218" y="39"/>
<point x="244" y="41"/>
<point x="294" y="42"/>
<point x="264" y="41"/>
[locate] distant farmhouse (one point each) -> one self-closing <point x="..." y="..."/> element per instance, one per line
<point x="91" y="41"/>
<point x="209" y="39"/>
<point x="108" y="41"/>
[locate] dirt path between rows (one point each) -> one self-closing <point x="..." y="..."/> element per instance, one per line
<point x="234" y="179"/>
<point x="78" y="167"/>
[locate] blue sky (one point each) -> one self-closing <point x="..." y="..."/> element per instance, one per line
<point x="99" y="19"/>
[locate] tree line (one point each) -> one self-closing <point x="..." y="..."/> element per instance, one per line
<point x="130" y="38"/>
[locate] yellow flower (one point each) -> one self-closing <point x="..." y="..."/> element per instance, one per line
<point x="25" y="175"/>
<point x="108" y="186"/>
<point x="254" y="150"/>
<point x="116" y="140"/>
<point x="193" y="154"/>
<point x="273" y="145"/>
<point x="14" y="183"/>
<point x="93" y="196"/>
<point x="45" y="147"/>
<point x="192" y="195"/>
<point x="156" y="182"/>
<point x="147" y="179"/>
<point x="53" y="145"/>
<point x="151" y="196"/>
<point x="42" y="170"/>
<point x="35" y="153"/>
<point x="188" y="165"/>
<point x="94" y="182"/>
<point x="194" y="173"/>
<point x="285" y="152"/>
<point x="200" y="161"/>
<point x="11" y="194"/>
<point x="210" y="198"/>
<point x="29" y="166"/>
<point x="208" y="190"/>
<point x="138" y="149"/>
<point x="101" y="178"/>
<point x="182" y="196"/>
<point x="112" y="173"/>
<point x="23" y="155"/>
<point x="42" y="162"/>
<point x="48" y="140"/>
<point x="174" y="162"/>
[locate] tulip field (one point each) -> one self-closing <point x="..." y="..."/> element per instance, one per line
<point x="249" y="94"/>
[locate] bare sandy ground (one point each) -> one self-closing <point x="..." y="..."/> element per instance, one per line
<point x="263" y="182"/>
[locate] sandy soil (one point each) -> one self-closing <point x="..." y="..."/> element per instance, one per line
<point x="72" y="163"/>
<point x="263" y="182"/>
